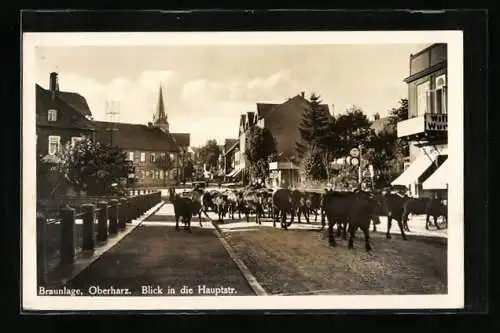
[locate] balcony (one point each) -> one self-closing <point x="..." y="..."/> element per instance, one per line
<point x="430" y="123"/>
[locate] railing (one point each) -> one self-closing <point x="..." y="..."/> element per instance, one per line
<point x="59" y="240"/>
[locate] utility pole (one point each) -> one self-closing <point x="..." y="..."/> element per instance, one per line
<point x="360" y="174"/>
<point x="112" y="110"/>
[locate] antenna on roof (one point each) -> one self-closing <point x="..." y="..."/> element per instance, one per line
<point x="112" y="110"/>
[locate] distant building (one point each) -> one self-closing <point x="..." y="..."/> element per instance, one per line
<point x="427" y="125"/>
<point x="61" y="117"/>
<point x="283" y="120"/>
<point x="231" y="158"/>
<point x="146" y="146"/>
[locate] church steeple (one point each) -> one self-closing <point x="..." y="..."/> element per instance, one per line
<point x="160" y="117"/>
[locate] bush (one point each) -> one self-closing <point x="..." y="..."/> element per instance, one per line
<point x="94" y="168"/>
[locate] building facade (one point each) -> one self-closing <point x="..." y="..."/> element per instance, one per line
<point x="285" y="171"/>
<point x="157" y="155"/>
<point x="61" y="117"/>
<point x="426" y="128"/>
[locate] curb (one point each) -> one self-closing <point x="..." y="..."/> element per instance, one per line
<point x="251" y="280"/>
<point x="82" y="261"/>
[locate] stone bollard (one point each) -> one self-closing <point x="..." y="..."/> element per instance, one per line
<point x="102" y="218"/>
<point x="67" y="251"/>
<point x="122" y="214"/>
<point x="88" y="242"/>
<point x="130" y="210"/>
<point x="113" y="216"/>
<point x="41" y="262"/>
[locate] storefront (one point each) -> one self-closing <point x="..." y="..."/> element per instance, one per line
<point x="425" y="165"/>
<point x="283" y="175"/>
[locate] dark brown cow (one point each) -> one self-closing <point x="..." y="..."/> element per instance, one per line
<point x="282" y="205"/>
<point x="299" y="206"/>
<point x="252" y="203"/>
<point x="353" y="209"/>
<point x="313" y="204"/>
<point x="183" y="209"/>
<point x="393" y="207"/>
<point x="424" y="206"/>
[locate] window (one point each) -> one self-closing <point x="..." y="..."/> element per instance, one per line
<point x="423" y="98"/>
<point x="153" y="157"/>
<point x="440" y="105"/>
<point x="54" y="144"/>
<point x="75" y="139"/>
<point x="172" y="156"/>
<point x="52" y="115"/>
<point x="130" y="155"/>
<point x="161" y="174"/>
<point x="143" y="157"/>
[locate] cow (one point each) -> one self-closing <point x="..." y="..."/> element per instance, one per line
<point x="221" y="205"/>
<point x="430" y="207"/>
<point x="436" y="208"/>
<point x="299" y="206"/>
<point x="196" y="197"/>
<point x="353" y="209"/>
<point x="235" y="203"/>
<point x="313" y="204"/>
<point x="282" y="205"/>
<point x="393" y="206"/>
<point x="183" y="209"/>
<point x="208" y="201"/>
<point x="252" y="202"/>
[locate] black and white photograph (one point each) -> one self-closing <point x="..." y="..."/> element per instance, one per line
<point x="242" y="170"/>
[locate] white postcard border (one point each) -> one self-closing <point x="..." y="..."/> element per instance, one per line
<point x="453" y="300"/>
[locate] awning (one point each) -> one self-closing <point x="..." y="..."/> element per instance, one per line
<point x="438" y="180"/>
<point x="234" y="173"/>
<point x="415" y="170"/>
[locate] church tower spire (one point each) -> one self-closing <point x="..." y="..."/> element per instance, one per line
<point x="160" y="117"/>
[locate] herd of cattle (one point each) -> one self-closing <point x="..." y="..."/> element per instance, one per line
<point x="348" y="210"/>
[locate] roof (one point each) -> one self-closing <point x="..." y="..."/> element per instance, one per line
<point x="75" y="103"/>
<point x="264" y="109"/>
<point x="182" y="139"/>
<point x="229" y="143"/>
<point x="135" y="136"/>
<point x="229" y="146"/>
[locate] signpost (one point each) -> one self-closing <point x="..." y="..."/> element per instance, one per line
<point x="356" y="156"/>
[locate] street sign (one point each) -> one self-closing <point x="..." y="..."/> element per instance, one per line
<point x="354" y="161"/>
<point x="354" y="152"/>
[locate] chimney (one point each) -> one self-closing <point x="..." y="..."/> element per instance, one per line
<point x="54" y="85"/>
<point x="376" y="116"/>
<point x="302" y="94"/>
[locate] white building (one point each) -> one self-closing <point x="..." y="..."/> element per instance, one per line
<point x="427" y="125"/>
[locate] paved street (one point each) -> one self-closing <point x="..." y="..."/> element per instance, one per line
<point x="293" y="262"/>
<point x="154" y="254"/>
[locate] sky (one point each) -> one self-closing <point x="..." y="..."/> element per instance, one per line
<point x="207" y="87"/>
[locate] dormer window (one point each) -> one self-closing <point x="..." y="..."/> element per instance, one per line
<point x="52" y="115"/>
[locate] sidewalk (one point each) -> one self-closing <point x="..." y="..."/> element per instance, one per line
<point x="156" y="255"/>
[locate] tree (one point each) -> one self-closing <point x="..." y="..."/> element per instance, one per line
<point x="209" y="154"/>
<point x="95" y="168"/>
<point x="165" y="164"/>
<point x="313" y="167"/>
<point x="316" y="137"/>
<point x="259" y="150"/>
<point x="315" y="127"/>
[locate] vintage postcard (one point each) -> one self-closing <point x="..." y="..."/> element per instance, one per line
<point x="252" y="170"/>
